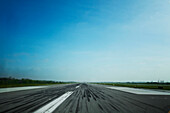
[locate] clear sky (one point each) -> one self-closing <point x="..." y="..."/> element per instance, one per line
<point x="85" y="40"/>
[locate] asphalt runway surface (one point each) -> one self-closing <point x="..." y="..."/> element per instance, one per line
<point x="85" y="98"/>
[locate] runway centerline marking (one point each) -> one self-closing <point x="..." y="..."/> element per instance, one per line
<point x="77" y="87"/>
<point x="50" y="107"/>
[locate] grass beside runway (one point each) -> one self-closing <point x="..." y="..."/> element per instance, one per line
<point x="13" y="82"/>
<point x="146" y="85"/>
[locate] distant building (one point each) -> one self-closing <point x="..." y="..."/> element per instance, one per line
<point x="161" y="81"/>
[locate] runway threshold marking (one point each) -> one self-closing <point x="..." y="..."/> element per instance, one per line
<point x="50" y="107"/>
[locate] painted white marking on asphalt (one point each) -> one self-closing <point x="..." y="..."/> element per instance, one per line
<point x="140" y="91"/>
<point x="50" y="107"/>
<point x="2" y="90"/>
<point x="77" y="86"/>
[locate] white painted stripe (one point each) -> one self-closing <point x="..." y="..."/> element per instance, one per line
<point x="2" y="90"/>
<point x="50" y="107"/>
<point x="77" y="86"/>
<point x="140" y="91"/>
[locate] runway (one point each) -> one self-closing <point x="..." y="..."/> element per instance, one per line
<point x="81" y="98"/>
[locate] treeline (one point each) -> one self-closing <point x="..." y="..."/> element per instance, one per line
<point x="159" y="83"/>
<point x="13" y="82"/>
<point x="133" y="83"/>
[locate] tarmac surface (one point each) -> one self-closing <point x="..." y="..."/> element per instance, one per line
<point x="85" y="98"/>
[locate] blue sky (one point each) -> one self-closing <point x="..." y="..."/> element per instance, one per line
<point x="85" y="40"/>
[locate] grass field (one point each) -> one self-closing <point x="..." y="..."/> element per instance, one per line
<point x="164" y="86"/>
<point x="13" y="82"/>
<point x="21" y="85"/>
